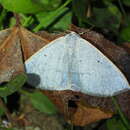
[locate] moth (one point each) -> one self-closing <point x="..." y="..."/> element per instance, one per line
<point x="72" y="63"/>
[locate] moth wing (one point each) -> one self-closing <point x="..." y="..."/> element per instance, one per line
<point x="98" y="75"/>
<point x="73" y="63"/>
<point x="48" y="68"/>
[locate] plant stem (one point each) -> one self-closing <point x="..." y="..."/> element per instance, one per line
<point x="120" y="112"/>
<point x="122" y="9"/>
<point x="3" y="14"/>
<point x="27" y="20"/>
<point x="39" y="26"/>
<point x="17" y="17"/>
<point x="24" y="92"/>
<point x="72" y="127"/>
<point x="7" y="113"/>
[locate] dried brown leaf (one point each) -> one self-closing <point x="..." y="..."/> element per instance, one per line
<point x="30" y="42"/>
<point x="17" y="45"/>
<point x="126" y="46"/>
<point x="11" y="62"/>
<point x="86" y="115"/>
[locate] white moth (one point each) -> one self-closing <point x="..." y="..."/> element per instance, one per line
<point x="72" y="63"/>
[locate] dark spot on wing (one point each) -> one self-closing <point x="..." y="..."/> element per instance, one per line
<point x="98" y="61"/>
<point x="80" y="60"/>
<point x="33" y="79"/>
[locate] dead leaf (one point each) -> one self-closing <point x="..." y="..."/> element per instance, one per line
<point x="4" y="34"/>
<point x="76" y="111"/>
<point x="30" y="42"/>
<point x="16" y="45"/>
<point x="11" y="62"/>
<point x="86" y="115"/>
<point x="50" y="36"/>
<point x="126" y="46"/>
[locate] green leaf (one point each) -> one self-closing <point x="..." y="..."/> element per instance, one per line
<point x="47" y="18"/>
<point x="50" y="4"/>
<point x="13" y="86"/>
<point x="2" y="111"/>
<point x="63" y="23"/>
<point x="2" y="17"/>
<point x="115" y="124"/>
<point x="121" y="114"/>
<point x="126" y="2"/>
<point x="3" y="128"/>
<point x="12" y="22"/>
<point x="109" y="0"/>
<point x="79" y="8"/>
<point x="42" y="103"/>
<point x="125" y="34"/>
<point x="108" y="18"/>
<point x="27" y="6"/>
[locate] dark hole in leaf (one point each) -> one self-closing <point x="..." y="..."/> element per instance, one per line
<point x="77" y="96"/>
<point x="13" y="102"/>
<point x="6" y="20"/>
<point x="28" y="87"/>
<point x="72" y="104"/>
<point x="78" y="128"/>
<point x="3" y="83"/>
<point x="100" y="125"/>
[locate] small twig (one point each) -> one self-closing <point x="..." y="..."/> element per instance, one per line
<point x="17" y="17"/>
<point x="122" y="9"/>
<point x="7" y="113"/>
<point x="27" y="21"/>
<point x="120" y="112"/>
<point x="39" y="26"/>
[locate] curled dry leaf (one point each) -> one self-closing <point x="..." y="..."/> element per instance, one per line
<point x="30" y="42"/>
<point x="86" y="115"/>
<point x="16" y="45"/>
<point x="77" y="111"/>
<point x="10" y="55"/>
